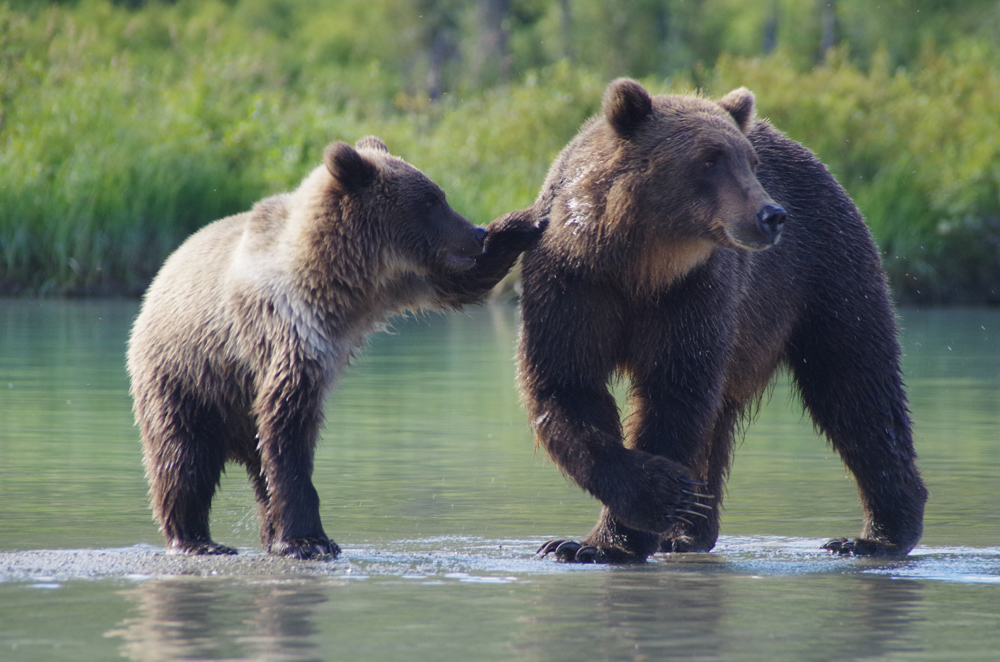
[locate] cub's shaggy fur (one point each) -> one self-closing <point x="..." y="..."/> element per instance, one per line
<point x="248" y="324"/>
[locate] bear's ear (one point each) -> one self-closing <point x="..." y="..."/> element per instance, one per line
<point x="351" y="169"/>
<point x="371" y="142"/>
<point x="740" y="104"/>
<point x="626" y="104"/>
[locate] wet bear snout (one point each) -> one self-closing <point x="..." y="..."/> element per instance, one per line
<point x="771" y="219"/>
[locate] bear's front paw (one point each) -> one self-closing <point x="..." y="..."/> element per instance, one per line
<point x="661" y="497"/>
<point x="862" y="547"/>
<point x="199" y="548"/>
<point x="320" y="549"/>
<point x="570" y="551"/>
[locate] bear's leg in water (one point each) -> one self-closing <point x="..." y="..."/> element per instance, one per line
<point x="848" y="374"/>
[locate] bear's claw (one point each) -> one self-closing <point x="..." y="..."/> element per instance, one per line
<point x="320" y="549"/>
<point x="570" y="551"/>
<point x="862" y="547"/>
<point x="564" y="550"/>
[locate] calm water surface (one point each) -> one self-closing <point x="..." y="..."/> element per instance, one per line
<point x="429" y="482"/>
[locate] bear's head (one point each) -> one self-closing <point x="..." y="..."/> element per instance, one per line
<point x="405" y="211"/>
<point x="688" y="167"/>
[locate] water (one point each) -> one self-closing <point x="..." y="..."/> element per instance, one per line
<point x="428" y="481"/>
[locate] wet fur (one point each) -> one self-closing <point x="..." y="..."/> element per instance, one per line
<point x="250" y="322"/>
<point x="638" y="274"/>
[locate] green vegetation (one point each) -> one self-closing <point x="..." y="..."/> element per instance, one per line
<point x="126" y="125"/>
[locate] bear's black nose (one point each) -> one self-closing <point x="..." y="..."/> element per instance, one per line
<point x="771" y="219"/>
<point x="481" y="234"/>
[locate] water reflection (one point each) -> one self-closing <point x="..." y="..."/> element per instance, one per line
<point x="428" y="481"/>
<point x="704" y="607"/>
<point x="446" y="599"/>
<point x="636" y="615"/>
<point x="695" y="614"/>
<point x="186" y="618"/>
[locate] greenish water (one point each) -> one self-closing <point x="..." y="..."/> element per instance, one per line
<point x="429" y="482"/>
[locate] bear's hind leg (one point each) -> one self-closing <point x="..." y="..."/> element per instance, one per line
<point x="184" y="462"/>
<point x="849" y="380"/>
<point x="259" y="482"/>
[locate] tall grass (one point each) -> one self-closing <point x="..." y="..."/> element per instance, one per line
<point x="123" y="131"/>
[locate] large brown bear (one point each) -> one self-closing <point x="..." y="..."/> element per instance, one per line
<point x="248" y="324"/>
<point x="654" y="267"/>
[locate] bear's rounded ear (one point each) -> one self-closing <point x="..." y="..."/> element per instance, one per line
<point x="740" y="104"/>
<point x="626" y="104"/>
<point x="371" y="142"/>
<point x="347" y="166"/>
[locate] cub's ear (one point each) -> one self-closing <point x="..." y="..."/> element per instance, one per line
<point x="347" y="166"/>
<point x="740" y="104"/>
<point x="626" y="104"/>
<point x="371" y="142"/>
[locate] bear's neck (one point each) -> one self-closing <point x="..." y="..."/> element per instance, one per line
<point x="644" y="260"/>
<point x="338" y="267"/>
<point x="659" y="263"/>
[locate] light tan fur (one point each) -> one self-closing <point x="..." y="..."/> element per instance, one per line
<point x="250" y="322"/>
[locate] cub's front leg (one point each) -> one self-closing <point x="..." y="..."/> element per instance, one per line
<point x="288" y="413"/>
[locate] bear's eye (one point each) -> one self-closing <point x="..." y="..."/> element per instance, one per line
<point x="712" y="158"/>
<point x="434" y="200"/>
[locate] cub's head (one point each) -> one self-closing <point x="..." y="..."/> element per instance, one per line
<point x="690" y="166"/>
<point x="401" y="209"/>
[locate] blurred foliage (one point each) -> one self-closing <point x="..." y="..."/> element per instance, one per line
<point x="919" y="150"/>
<point x="125" y="125"/>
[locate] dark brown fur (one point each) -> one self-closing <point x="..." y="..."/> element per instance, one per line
<point x="248" y="324"/>
<point x="652" y="267"/>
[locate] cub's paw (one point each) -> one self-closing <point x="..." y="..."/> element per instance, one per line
<point x="517" y="229"/>
<point x="199" y="548"/>
<point x="569" y="551"/>
<point x="320" y="549"/>
<point x="862" y="547"/>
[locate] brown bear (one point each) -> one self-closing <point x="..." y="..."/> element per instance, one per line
<point x="653" y="268"/>
<point x="246" y="327"/>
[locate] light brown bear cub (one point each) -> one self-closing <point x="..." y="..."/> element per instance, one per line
<point x="248" y="324"/>
<point x="653" y="267"/>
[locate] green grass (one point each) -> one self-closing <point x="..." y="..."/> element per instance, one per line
<point x="123" y="131"/>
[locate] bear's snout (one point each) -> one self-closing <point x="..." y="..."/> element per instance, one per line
<point x="473" y="244"/>
<point x="771" y="220"/>
<point x="468" y="244"/>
